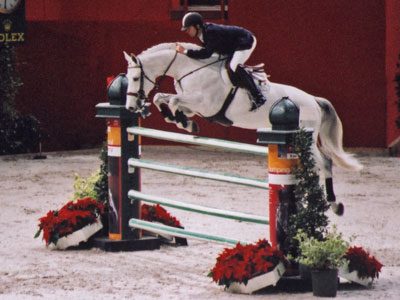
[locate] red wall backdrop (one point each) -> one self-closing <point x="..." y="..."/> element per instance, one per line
<point x="392" y="59"/>
<point x="338" y="49"/>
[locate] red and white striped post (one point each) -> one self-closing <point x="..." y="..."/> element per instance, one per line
<point x="284" y="117"/>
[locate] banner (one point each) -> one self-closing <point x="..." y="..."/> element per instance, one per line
<point x="12" y="22"/>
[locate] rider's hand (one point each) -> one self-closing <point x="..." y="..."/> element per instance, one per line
<point x="179" y="49"/>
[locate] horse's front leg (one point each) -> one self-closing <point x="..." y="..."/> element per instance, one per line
<point x="162" y="98"/>
<point x="178" y="106"/>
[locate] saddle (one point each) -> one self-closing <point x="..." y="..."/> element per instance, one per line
<point x="256" y="72"/>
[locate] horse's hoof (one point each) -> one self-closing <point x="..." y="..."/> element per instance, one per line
<point x="195" y="128"/>
<point x="145" y="111"/>
<point x="169" y="120"/>
<point x="338" y="208"/>
<point x="255" y="105"/>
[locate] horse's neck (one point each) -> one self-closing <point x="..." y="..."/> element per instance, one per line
<point x="156" y="64"/>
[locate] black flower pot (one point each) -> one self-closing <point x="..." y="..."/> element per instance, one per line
<point x="324" y="282"/>
<point x="305" y="272"/>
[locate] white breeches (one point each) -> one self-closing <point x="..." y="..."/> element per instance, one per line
<point x="241" y="56"/>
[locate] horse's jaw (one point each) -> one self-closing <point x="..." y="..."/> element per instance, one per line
<point x="138" y="106"/>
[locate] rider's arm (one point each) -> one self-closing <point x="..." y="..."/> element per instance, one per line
<point x="204" y="52"/>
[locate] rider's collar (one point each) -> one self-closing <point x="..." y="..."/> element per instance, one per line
<point x="201" y="37"/>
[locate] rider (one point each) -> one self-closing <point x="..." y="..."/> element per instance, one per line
<point x="235" y="42"/>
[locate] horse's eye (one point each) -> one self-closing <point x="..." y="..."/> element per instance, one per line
<point x="136" y="79"/>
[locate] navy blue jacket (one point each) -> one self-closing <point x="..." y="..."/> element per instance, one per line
<point x="222" y="39"/>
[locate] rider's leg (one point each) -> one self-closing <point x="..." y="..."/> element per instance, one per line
<point x="246" y="81"/>
<point x="243" y="79"/>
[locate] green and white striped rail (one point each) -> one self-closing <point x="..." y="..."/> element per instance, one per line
<point x="235" y="179"/>
<point x="197" y="208"/>
<point x="196" y="140"/>
<point x="178" y="232"/>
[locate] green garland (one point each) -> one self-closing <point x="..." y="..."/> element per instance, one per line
<point x="311" y="203"/>
<point x="101" y="185"/>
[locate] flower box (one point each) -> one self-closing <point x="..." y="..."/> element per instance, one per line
<point x="81" y="235"/>
<point x="258" y="282"/>
<point x="353" y="276"/>
<point x="364" y="267"/>
<point x="69" y="223"/>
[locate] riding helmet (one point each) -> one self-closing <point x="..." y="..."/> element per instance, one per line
<point x="191" y="19"/>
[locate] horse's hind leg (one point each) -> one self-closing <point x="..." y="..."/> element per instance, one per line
<point x="326" y="168"/>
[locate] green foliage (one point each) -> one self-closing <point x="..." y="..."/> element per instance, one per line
<point x="397" y="80"/>
<point x="18" y="133"/>
<point x="101" y="185"/>
<point x="322" y="254"/>
<point x="84" y="187"/>
<point x="311" y="203"/>
<point x="96" y="185"/>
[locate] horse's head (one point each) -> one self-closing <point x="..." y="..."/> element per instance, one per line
<point x="138" y="87"/>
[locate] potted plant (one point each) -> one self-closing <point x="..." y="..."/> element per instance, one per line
<point x="360" y="267"/>
<point x="248" y="268"/>
<point x="74" y="223"/>
<point x="323" y="258"/>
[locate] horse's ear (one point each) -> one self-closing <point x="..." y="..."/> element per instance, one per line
<point x="130" y="58"/>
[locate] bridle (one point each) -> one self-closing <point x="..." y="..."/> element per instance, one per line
<point x="140" y="94"/>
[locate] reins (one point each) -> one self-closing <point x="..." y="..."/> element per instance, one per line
<point x="198" y="69"/>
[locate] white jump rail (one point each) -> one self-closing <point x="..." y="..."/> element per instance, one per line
<point x="235" y="179"/>
<point x="196" y="140"/>
<point x="178" y="232"/>
<point x="197" y="208"/>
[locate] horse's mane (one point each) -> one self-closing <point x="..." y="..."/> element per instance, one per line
<point x="168" y="46"/>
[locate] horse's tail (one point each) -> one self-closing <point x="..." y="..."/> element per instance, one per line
<point x="330" y="141"/>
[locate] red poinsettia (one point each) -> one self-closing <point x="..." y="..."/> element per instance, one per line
<point x="109" y="80"/>
<point x="245" y="262"/>
<point x="71" y="217"/>
<point x="363" y="263"/>
<point x="157" y="213"/>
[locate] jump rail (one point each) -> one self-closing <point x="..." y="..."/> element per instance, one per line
<point x="196" y="140"/>
<point x="177" y="232"/>
<point x="235" y="179"/>
<point x="123" y="137"/>
<point x="197" y="208"/>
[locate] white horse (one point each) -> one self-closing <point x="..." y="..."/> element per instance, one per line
<point x="202" y="87"/>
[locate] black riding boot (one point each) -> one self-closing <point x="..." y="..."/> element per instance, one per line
<point x="244" y="80"/>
